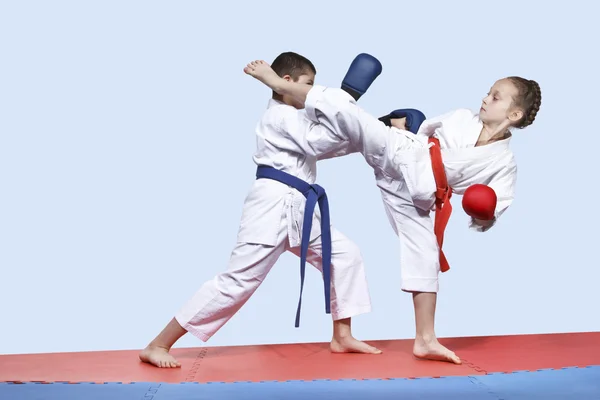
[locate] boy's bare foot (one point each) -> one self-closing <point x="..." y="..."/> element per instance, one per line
<point x="159" y="357"/>
<point x="431" y="349"/>
<point x="262" y="71"/>
<point x="349" y="344"/>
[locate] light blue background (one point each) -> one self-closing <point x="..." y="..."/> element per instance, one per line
<point x="125" y="156"/>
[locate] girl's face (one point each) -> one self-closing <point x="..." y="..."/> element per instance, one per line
<point x="497" y="107"/>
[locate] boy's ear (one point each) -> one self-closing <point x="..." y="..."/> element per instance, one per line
<point x="288" y="78"/>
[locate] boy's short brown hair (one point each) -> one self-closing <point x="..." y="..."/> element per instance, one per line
<point x="292" y="64"/>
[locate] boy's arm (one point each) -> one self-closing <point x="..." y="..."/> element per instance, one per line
<point x="345" y="149"/>
<point x="308" y="137"/>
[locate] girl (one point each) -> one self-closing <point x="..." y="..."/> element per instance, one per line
<point x="474" y="149"/>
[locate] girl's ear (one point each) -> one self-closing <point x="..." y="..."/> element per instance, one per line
<point x="515" y="115"/>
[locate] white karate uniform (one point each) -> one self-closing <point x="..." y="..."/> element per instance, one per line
<point x="271" y="224"/>
<point x="404" y="174"/>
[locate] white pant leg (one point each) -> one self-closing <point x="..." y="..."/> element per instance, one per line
<point x="349" y="289"/>
<point x="337" y="111"/>
<point x="223" y="296"/>
<point x="419" y="250"/>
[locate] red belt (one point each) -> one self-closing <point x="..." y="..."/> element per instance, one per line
<point x="443" y="208"/>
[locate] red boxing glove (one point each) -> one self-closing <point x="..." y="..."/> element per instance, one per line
<point x="479" y="202"/>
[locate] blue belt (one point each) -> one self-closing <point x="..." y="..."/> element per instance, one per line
<point x="313" y="194"/>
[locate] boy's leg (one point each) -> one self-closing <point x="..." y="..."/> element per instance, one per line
<point x="216" y="301"/>
<point x="349" y="289"/>
<point x="157" y="351"/>
<point x="419" y="261"/>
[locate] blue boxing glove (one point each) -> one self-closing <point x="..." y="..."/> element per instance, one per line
<point x="414" y="118"/>
<point x="362" y="73"/>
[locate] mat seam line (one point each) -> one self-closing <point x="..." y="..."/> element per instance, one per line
<point x="475" y="367"/>
<point x="152" y="390"/>
<point x="483" y="387"/>
<point x="191" y="376"/>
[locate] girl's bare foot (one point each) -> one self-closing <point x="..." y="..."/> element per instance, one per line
<point x="431" y="349"/>
<point x="159" y="357"/>
<point x="351" y="345"/>
<point x="262" y="71"/>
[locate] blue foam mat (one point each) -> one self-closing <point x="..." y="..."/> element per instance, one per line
<point x="79" y="391"/>
<point x="567" y="383"/>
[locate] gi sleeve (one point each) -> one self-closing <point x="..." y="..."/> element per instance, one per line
<point x="503" y="183"/>
<point x="343" y="150"/>
<point x="301" y="135"/>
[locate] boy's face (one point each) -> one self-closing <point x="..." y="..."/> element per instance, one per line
<point x="304" y="79"/>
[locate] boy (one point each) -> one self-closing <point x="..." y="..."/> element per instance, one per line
<point x="271" y="223"/>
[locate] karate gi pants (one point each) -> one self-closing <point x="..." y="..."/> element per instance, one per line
<point x="219" y="299"/>
<point x="419" y="250"/>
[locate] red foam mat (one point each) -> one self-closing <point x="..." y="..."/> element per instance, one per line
<point x="529" y="352"/>
<point x="101" y="366"/>
<point x="315" y="361"/>
<point x="309" y="361"/>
